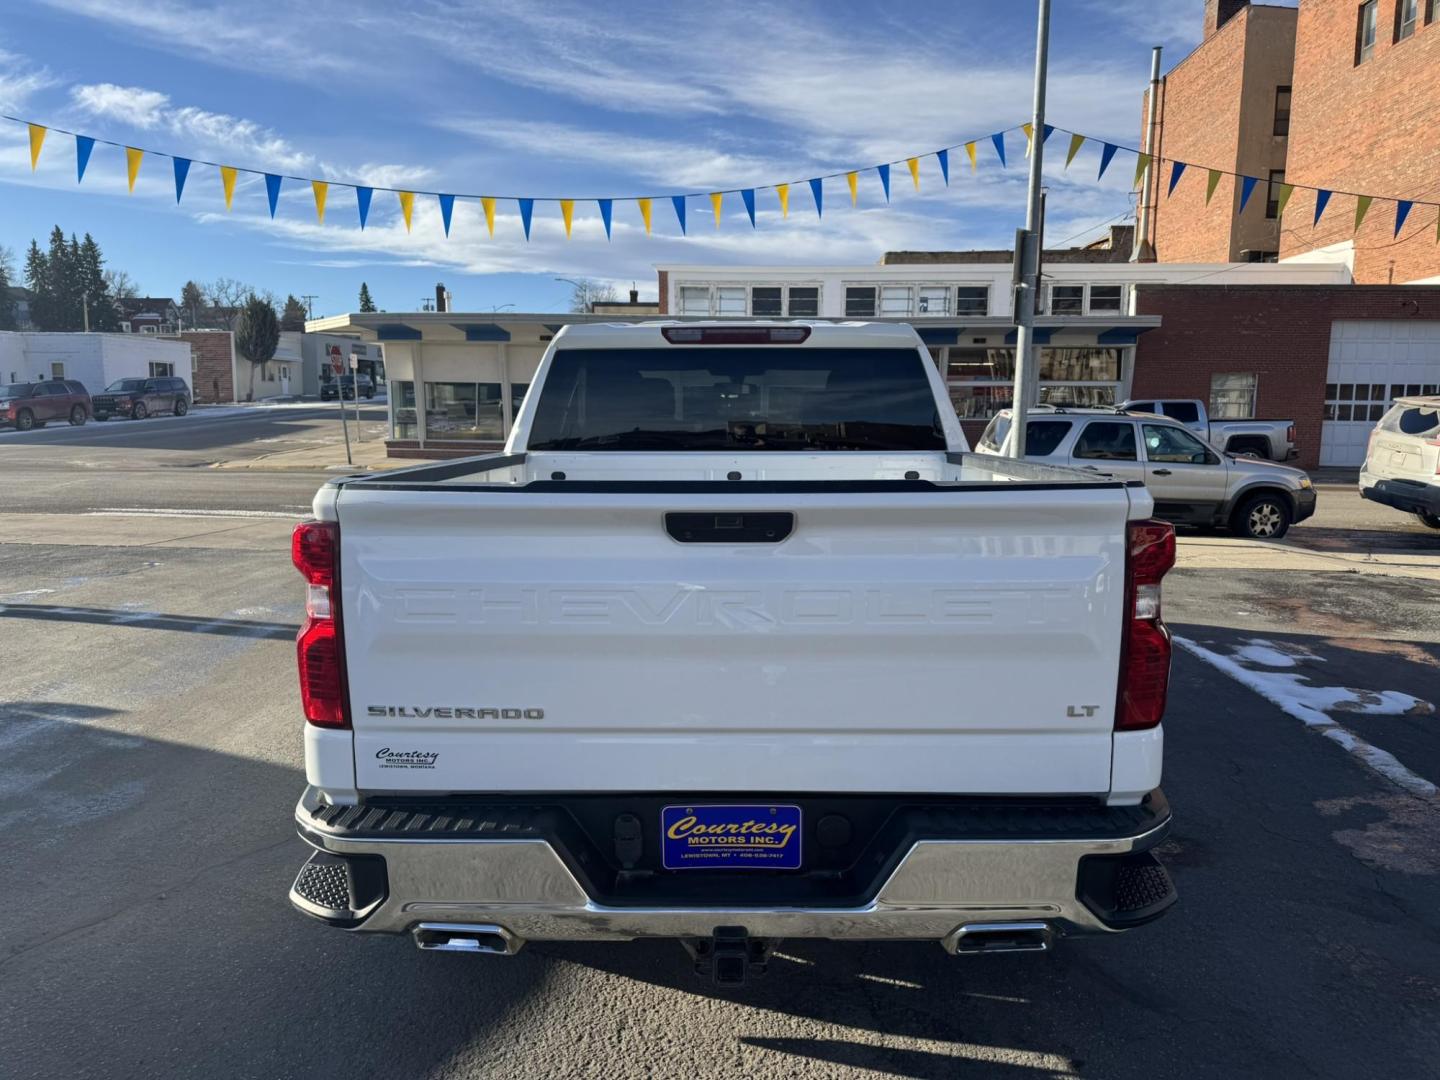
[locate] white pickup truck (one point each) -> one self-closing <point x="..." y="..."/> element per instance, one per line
<point x="1273" y="440"/>
<point x="734" y="642"/>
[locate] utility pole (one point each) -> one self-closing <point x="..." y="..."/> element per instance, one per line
<point x="309" y="299"/>
<point x="85" y="309"/>
<point x="1142" y="250"/>
<point x="1027" y="250"/>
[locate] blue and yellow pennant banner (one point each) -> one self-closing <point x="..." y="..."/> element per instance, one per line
<point x="1278" y="196"/>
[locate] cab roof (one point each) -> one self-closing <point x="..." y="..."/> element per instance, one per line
<point x="823" y="335"/>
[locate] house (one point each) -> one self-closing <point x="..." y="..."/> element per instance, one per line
<point x="148" y="315"/>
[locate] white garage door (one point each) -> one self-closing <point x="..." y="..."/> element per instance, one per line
<point x="1372" y="362"/>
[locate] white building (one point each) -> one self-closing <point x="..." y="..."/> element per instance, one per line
<point x="96" y="360"/>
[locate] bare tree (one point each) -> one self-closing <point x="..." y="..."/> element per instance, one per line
<point x="121" y="285"/>
<point x="588" y="292"/>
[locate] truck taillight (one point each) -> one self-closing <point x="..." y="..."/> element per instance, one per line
<point x="1290" y="434"/>
<point x="320" y="649"/>
<point x="1145" y="650"/>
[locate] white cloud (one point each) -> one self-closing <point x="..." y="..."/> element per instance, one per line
<point x="20" y="80"/>
<point x="133" y="105"/>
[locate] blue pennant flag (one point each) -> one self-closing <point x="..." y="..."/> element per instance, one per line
<point x="272" y="191"/>
<point x="944" y="156"/>
<point x="83" y="145"/>
<point x="527" y="208"/>
<point x="1105" y="155"/>
<point x="606" y="205"/>
<point x="182" y="170"/>
<point x="884" y="171"/>
<point x="999" y="140"/>
<point x="362" y="199"/>
<point x="747" y="196"/>
<point x="816" y="189"/>
<point x="679" y="203"/>
<point x="1322" y="198"/>
<point x="1047" y="129"/>
<point x="1176" y="170"/>
<point x="447" y="207"/>
<point x="1402" y="211"/>
<point x="1247" y="188"/>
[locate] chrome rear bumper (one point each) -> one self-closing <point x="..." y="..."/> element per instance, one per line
<point x="523" y="887"/>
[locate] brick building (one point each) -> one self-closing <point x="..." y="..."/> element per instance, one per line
<point x="212" y="364"/>
<point x="1334" y="95"/>
<point x="1329" y="357"/>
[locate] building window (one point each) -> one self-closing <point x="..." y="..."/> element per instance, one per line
<point x="161" y="370"/>
<point x="895" y="301"/>
<point x="1105" y="299"/>
<point x="981" y="380"/>
<point x="804" y="301"/>
<point x="1232" y="396"/>
<point x="972" y="300"/>
<point x="694" y="300"/>
<point x="1407" y="14"/>
<point x="731" y="300"/>
<point x="403" y="399"/>
<point x="765" y="301"/>
<point x="1365" y="402"/>
<point x="1272" y="193"/>
<point x="1365" y="32"/>
<point x="860" y="302"/>
<point x="933" y="300"/>
<point x="1067" y="300"/>
<point x="463" y="411"/>
<point x="1259" y="255"/>
<point x="1282" y="110"/>
<point x="1431" y="10"/>
<point x="57" y="370"/>
<point x="517" y="397"/>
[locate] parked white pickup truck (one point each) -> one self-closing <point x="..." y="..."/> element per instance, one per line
<point x="1270" y="439"/>
<point x="734" y="642"/>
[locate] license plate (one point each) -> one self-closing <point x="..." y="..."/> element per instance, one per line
<point x="730" y="837"/>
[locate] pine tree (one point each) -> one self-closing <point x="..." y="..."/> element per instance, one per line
<point x="37" y="280"/>
<point x="7" y="306"/>
<point x="366" y="304"/>
<point x="293" y="317"/>
<point x="257" y="335"/>
<point x="96" y="289"/>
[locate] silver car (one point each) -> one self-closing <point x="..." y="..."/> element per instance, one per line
<point x="1402" y="464"/>
<point x="1191" y="482"/>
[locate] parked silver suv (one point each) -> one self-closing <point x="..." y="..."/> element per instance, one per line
<point x="1192" y="482"/>
<point x="1402" y="464"/>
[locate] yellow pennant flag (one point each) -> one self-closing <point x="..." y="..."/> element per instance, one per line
<point x="227" y="180"/>
<point x="322" y="189"/>
<point x="715" y="197"/>
<point x="644" y="205"/>
<point x="853" y="179"/>
<point x="1029" y="137"/>
<point x="783" y="190"/>
<point x="970" y="150"/>
<point x="914" y="164"/>
<point x="37" y="140"/>
<point x="567" y="211"/>
<point x="132" y="163"/>
<point x="1282" y="196"/>
<point x="1362" y="207"/>
<point x="1141" y="164"/>
<point x="1076" y="141"/>
<point x="489" y="206"/>
<point x="1211" y="184"/>
<point x="407" y="206"/>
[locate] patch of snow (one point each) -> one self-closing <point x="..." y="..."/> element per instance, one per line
<point x="1268" y="654"/>
<point x="1311" y="704"/>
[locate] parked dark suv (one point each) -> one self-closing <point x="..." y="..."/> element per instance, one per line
<point x="32" y="405"/>
<point x="139" y="398"/>
<point x="347" y="384"/>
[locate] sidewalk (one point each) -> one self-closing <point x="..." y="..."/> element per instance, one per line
<point x="367" y="456"/>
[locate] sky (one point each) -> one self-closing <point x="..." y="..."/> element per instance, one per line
<point x="554" y="99"/>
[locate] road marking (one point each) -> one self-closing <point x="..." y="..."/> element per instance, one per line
<point x="150" y="511"/>
<point x="1308" y="703"/>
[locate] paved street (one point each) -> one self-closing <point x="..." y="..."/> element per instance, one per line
<point x="150" y="755"/>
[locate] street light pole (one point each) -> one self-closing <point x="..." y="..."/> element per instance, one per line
<point x="1028" y="247"/>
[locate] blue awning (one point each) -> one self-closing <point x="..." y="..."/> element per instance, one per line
<point x="396" y="332"/>
<point x="483" y="331"/>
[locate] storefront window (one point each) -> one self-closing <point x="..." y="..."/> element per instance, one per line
<point x="404" y="401"/>
<point x="463" y="411"/>
<point x="980" y="378"/>
<point x="517" y="398"/>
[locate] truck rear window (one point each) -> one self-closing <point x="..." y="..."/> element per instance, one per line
<point x="710" y="398"/>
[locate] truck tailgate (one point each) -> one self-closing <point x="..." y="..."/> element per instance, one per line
<point x="948" y="640"/>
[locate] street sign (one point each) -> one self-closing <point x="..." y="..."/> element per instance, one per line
<point x="337" y="364"/>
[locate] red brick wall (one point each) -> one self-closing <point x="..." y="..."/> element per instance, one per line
<point x="1279" y="332"/>
<point x="664" y="288"/>
<point x="1218" y="110"/>
<point x="1368" y="128"/>
<point x="213" y="352"/>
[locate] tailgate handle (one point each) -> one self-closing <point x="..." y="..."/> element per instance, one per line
<point x="712" y="528"/>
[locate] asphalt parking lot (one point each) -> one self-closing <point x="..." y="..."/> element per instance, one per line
<point x="150" y="757"/>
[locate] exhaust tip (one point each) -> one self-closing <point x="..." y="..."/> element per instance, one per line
<point x="466" y="938"/>
<point x="1000" y="938"/>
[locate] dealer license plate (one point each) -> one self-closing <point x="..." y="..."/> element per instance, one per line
<point x="730" y="837"/>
